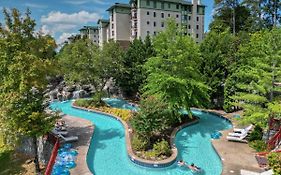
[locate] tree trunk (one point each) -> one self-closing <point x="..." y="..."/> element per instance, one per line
<point x="36" y="159"/>
<point x="271" y="96"/>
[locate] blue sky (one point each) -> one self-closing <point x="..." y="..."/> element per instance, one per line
<point x="62" y="18"/>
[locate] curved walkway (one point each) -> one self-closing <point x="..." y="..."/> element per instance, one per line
<point x="84" y="130"/>
<point x="235" y="156"/>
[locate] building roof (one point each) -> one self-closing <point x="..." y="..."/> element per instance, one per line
<point x="103" y="21"/>
<point x="88" y="28"/>
<point x="119" y="5"/>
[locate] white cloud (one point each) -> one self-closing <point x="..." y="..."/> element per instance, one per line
<point x="74" y="18"/>
<point x="64" y="37"/>
<point x="44" y="29"/>
<point x="58" y="22"/>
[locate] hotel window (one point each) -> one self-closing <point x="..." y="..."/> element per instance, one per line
<point x="112" y="33"/>
<point x="155" y="4"/>
<point x="112" y="26"/>
<point x="147" y="22"/>
<point x="147" y="32"/>
<point x="197" y="35"/>
<point x="178" y="6"/>
<point x="147" y="13"/>
<point x="154" y="14"/>
<point x="177" y="16"/>
<point x="154" y="24"/>
<point x="197" y="27"/>
<point x="162" y="5"/>
<point x="162" y="24"/>
<point x="197" y="18"/>
<point x="169" y="5"/>
<point x="148" y="2"/>
<point x="162" y="15"/>
<point x="189" y="27"/>
<point x="189" y="18"/>
<point x="154" y="33"/>
<point x="169" y="15"/>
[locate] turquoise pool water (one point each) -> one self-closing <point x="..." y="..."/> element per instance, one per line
<point x="108" y="156"/>
<point x="119" y="103"/>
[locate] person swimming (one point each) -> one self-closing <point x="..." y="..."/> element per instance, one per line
<point x="181" y="163"/>
<point x="194" y="168"/>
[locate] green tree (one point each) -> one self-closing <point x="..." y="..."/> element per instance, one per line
<point x="256" y="21"/>
<point x="226" y="14"/>
<point x="272" y="12"/>
<point x="173" y="74"/>
<point x="217" y="51"/>
<point x="133" y="74"/>
<point x="84" y="63"/>
<point x="24" y="67"/>
<point x="252" y="84"/>
<point x="152" y="119"/>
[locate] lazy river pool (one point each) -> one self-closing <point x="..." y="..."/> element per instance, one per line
<point x="107" y="154"/>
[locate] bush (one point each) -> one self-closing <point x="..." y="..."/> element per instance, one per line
<point x="256" y="134"/>
<point x="122" y="113"/>
<point x="162" y="148"/>
<point x="138" y="143"/>
<point x="154" y="117"/>
<point x="83" y="103"/>
<point x="97" y="99"/>
<point x="274" y="160"/>
<point x="258" y="145"/>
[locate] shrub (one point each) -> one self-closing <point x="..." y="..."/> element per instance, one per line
<point x="154" y="117"/>
<point x="138" y="143"/>
<point x="274" y="160"/>
<point x="162" y="148"/>
<point x="97" y="99"/>
<point x="256" y="134"/>
<point x="122" y="113"/>
<point x="83" y="103"/>
<point x="258" y="145"/>
<point x="151" y="154"/>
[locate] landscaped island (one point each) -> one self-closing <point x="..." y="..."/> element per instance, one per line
<point x="151" y="125"/>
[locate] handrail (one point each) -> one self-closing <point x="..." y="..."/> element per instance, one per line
<point x="274" y="140"/>
<point x="52" y="158"/>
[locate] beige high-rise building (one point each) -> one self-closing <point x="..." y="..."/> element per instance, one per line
<point x="90" y="32"/>
<point x="140" y="18"/>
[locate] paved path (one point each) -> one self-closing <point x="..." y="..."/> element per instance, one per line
<point x="84" y="130"/>
<point x="235" y="155"/>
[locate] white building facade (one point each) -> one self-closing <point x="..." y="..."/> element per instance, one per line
<point x="140" y="18"/>
<point x="90" y="32"/>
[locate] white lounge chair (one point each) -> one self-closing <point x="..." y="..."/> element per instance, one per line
<point x="240" y="138"/>
<point x="248" y="128"/>
<point x="238" y="132"/>
<point x="68" y="139"/>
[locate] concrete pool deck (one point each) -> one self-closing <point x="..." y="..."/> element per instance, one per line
<point x="84" y="130"/>
<point x="235" y="156"/>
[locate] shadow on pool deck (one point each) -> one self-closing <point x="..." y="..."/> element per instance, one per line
<point x="235" y="156"/>
<point x="84" y="130"/>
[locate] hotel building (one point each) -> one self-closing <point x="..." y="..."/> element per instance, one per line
<point x="140" y="18"/>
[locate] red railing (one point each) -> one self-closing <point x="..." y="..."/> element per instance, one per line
<point x="52" y="158"/>
<point x="275" y="140"/>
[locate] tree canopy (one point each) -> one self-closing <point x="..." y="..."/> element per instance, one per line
<point x="173" y="74"/>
